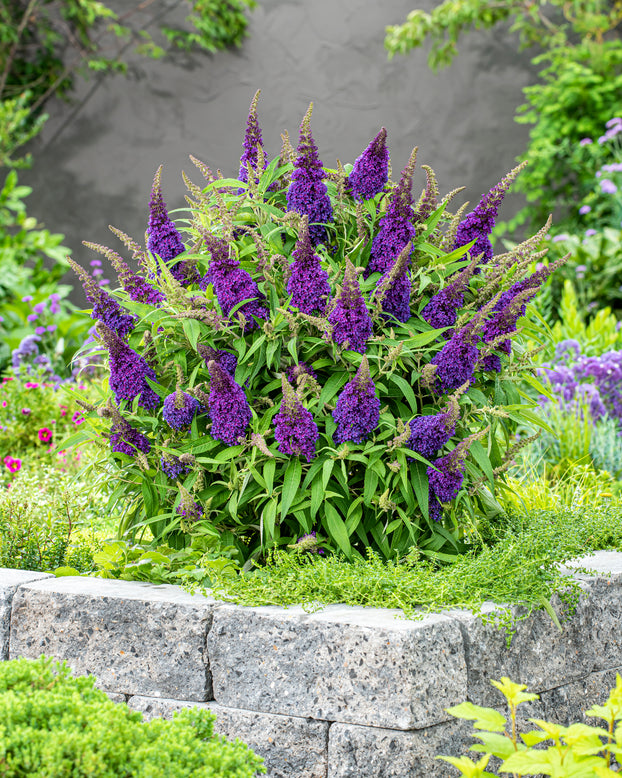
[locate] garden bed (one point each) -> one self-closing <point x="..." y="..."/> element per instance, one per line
<point x="346" y="691"/>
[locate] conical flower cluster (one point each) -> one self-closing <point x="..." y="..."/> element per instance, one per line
<point x="137" y="287"/>
<point x="350" y="319"/>
<point x="128" y="371"/>
<point x="105" y="308"/>
<point x="394" y="288"/>
<point x="228" y="407"/>
<point x="371" y="170"/>
<point x="252" y="139"/>
<point x="308" y="282"/>
<point x="357" y="412"/>
<point x="294" y="427"/>
<point x="179" y="409"/>
<point x="307" y="193"/>
<point x="428" y="434"/>
<point x="455" y="362"/>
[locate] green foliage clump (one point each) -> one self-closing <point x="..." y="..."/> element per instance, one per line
<point x="576" y="750"/>
<point x="578" y="92"/>
<point x="55" y="726"/>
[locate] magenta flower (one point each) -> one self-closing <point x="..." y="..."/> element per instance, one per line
<point x="44" y="434"/>
<point x="13" y="465"/>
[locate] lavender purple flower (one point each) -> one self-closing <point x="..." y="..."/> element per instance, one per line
<point x="428" y="434"/>
<point x="357" y="412"/>
<point x="307" y="193"/>
<point x="308" y="282"/>
<point x="393" y="288"/>
<point x="352" y="324"/>
<point x="371" y="170"/>
<point x="127" y="439"/>
<point x="252" y="139"/>
<point x="173" y="467"/>
<point x="128" y="371"/>
<point x="294" y="427"/>
<point x="395" y="228"/>
<point x="228" y="407"/>
<point x="179" y="409"/>
<point x="446" y="480"/>
<point x="225" y="359"/>
<point x="233" y="284"/>
<point x="105" y="307"/>
<point x="137" y="287"/>
<point x="455" y="362"/>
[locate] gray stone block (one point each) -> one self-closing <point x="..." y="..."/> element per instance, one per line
<point x="371" y="752"/>
<point x="348" y="664"/>
<point x="10" y="580"/>
<point x="135" y="638"/>
<point x="291" y="747"/>
<point x="539" y="655"/>
<point x="567" y="704"/>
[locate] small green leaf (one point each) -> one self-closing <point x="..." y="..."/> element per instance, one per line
<point x="291" y="482"/>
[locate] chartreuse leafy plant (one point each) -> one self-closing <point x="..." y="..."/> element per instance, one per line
<point x="577" y="751"/>
<point x="56" y="726"/>
<point x="318" y="358"/>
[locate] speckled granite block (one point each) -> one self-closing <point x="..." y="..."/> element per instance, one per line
<point x="567" y="704"/>
<point x="135" y="638"/>
<point x="291" y="747"/>
<point x="354" y="665"/>
<point x="10" y="580"/>
<point x="371" y="752"/>
<point x="539" y="654"/>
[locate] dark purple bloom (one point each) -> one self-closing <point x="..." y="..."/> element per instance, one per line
<point x="307" y="193"/>
<point x="128" y="371"/>
<point x="428" y="434"/>
<point x="396" y="227"/>
<point x="252" y="139"/>
<point x="479" y="223"/>
<point x="446" y="481"/>
<point x="352" y="324"/>
<point x="294" y="427"/>
<point x="455" y="362"/>
<point x="394" y="288"/>
<point x="295" y="372"/>
<point x="233" y="284"/>
<point x="371" y="170"/>
<point x="188" y="508"/>
<point x="435" y="509"/>
<point x="105" y="307"/>
<point x="228" y="406"/>
<point x="173" y="467"/>
<point x="179" y="409"/>
<point x="137" y="287"/>
<point x="357" y="412"/>
<point x="163" y="238"/>
<point x="225" y="359"/>
<point x="442" y="309"/>
<point x="127" y="439"/>
<point x="308" y="282"/>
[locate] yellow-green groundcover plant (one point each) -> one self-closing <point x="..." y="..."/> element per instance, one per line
<point x="577" y="751"/>
<point x="55" y="726"/>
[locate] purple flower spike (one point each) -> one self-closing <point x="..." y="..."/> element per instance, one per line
<point x="442" y="309"/>
<point x="446" y="480"/>
<point x="371" y="170"/>
<point x="294" y="427"/>
<point x="137" y="288"/>
<point x="128" y="371"/>
<point x="225" y="359"/>
<point x="428" y="434"/>
<point x="435" y="509"/>
<point x="105" y="308"/>
<point x="228" y="407"/>
<point x="479" y="223"/>
<point x="396" y="227"/>
<point x="307" y="193"/>
<point x="357" y="412"/>
<point x="163" y="237"/>
<point x="127" y="439"/>
<point x="252" y="139"/>
<point x="173" y="467"/>
<point x="233" y="284"/>
<point x="455" y="362"/>
<point x="352" y="324"/>
<point x="295" y="372"/>
<point x="191" y="511"/>
<point x="179" y="409"/>
<point x="396" y="298"/>
<point x="308" y="282"/>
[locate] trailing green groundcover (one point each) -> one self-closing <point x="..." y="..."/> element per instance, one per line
<point x="56" y="726"/>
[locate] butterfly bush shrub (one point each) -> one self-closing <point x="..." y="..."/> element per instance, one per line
<point x="314" y="355"/>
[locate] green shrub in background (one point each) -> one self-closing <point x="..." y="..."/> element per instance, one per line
<point x="579" y="90"/>
<point x="281" y="376"/>
<point x="576" y="751"/>
<point x="46" y="44"/>
<point x="55" y="726"/>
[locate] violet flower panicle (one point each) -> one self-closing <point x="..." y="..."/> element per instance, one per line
<point x="479" y="223"/>
<point x="349" y="317"/>
<point x="307" y="193"/>
<point x="294" y="426"/>
<point x="442" y="308"/>
<point x="308" y="282"/>
<point x="225" y="359"/>
<point x="252" y="139"/>
<point x="455" y="363"/>
<point x="447" y="475"/>
<point x="127" y="439"/>
<point x="128" y="371"/>
<point x="228" y="407"/>
<point x="357" y="411"/>
<point x="428" y="434"/>
<point x="179" y="409"/>
<point x="370" y="172"/>
<point x="395" y="227"/>
<point x="105" y="308"/>
<point x="393" y="289"/>
<point x="137" y="287"/>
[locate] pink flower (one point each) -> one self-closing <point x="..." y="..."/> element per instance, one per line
<point x="30" y="385"/>
<point x="13" y="465"/>
<point x="26" y="411"/>
<point x="4" y="403"/>
<point x="44" y="434"/>
<point x="63" y="409"/>
<point x="77" y="418"/>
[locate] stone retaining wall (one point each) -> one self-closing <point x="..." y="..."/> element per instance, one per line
<point x="344" y="693"/>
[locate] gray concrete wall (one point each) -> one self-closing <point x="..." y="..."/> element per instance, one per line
<point x="347" y="692"/>
<point x="95" y="160"/>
